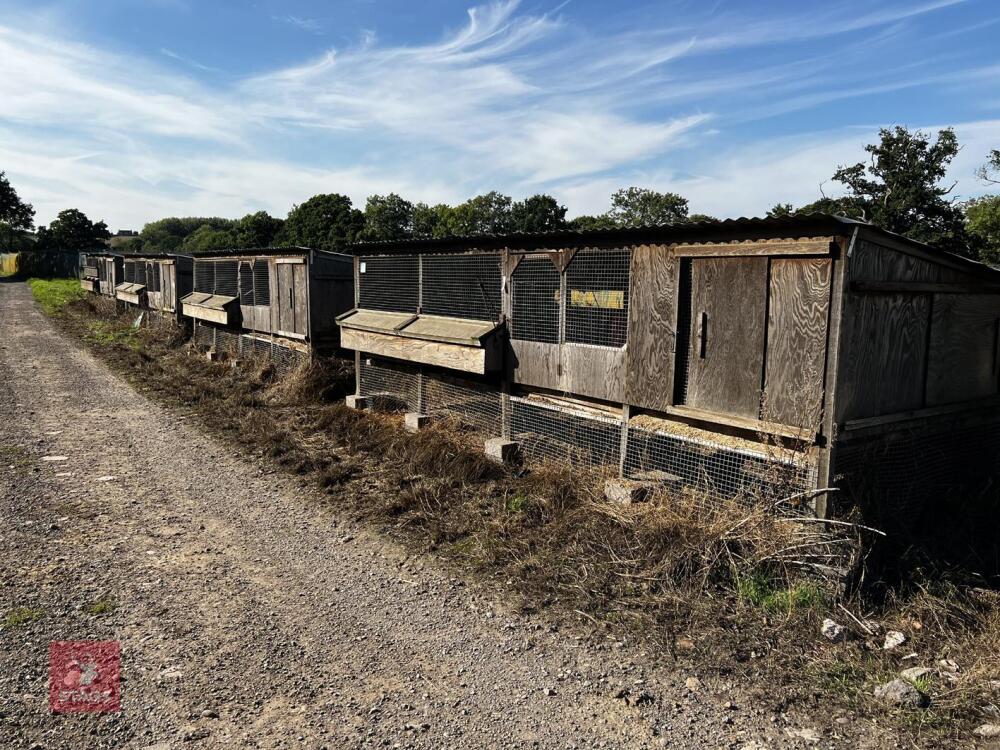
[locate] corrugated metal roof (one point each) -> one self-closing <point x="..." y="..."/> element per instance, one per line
<point x="744" y="227"/>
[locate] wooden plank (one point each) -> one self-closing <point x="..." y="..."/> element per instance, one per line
<point x="883" y="355"/>
<point x="300" y="295"/>
<point x="597" y="372"/>
<point x="875" y="262"/>
<point x="451" y="356"/>
<point x="796" y="340"/>
<point x="534" y="363"/>
<point x="758" y="426"/>
<point x="963" y="358"/>
<point x="290" y="261"/>
<point x="285" y="298"/>
<point x="907" y="287"/>
<point x="811" y="246"/>
<point x="652" y="327"/>
<point x="726" y="359"/>
<point x="893" y="421"/>
<point x="212" y="315"/>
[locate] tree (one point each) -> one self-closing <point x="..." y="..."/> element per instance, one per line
<point x="15" y="215"/>
<point x="387" y="217"/>
<point x="258" y="229"/>
<point x="168" y="234"/>
<point x="539" y="213"/>
<point x="781" y="209"/>
<point x="207" y="238"/>
<point x="489" y="213"/>
<point x="982" y="217"/>
<point x="432" y="221"/>
<point x="586" y="223"/>
<point x="900" y="190"/>
<point x="639" y="207"/>
<point x="326" y="221"/>
<point x="990" y="171"/>
<point x="72" y="231"/>
<point x="701" y="217"/>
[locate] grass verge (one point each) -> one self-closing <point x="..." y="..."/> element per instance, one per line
<point x="55" y="294"/>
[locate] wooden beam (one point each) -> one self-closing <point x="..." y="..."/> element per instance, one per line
<point x="918" y="287"/>
<point x="751" y="425"/>
<point x="814" y="246"/>
<point x="914" y="414"/>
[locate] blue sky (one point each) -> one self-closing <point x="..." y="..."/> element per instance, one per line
<point x="134" y="110"/>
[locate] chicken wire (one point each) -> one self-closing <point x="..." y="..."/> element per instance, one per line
<point x="389" y="386"/>
<point x="715" y="468"/>
<point x="389" y="282"/>
<point x="596" y="298"/>
<point x="535" y="286"/>
<point x="575" y="439"/>
<point x="902" y="471"/>
<point x="461" y="286"/>
<point x="471" y="406"/>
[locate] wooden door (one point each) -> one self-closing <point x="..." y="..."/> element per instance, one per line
<point x="168" y="286"/>
<point x="726" y="355"/>
<point x="300" y="299"/>
<point x="286" y="298"/>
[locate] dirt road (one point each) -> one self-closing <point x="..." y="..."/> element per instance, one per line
<point x="251" y="615"/>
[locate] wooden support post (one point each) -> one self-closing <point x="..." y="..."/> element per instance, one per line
<point x="357" y="373"/>
<point x="626" y="415"/>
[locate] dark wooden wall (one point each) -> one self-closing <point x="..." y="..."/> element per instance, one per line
<point x="918" y="334"/>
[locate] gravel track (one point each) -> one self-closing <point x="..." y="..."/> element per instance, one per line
<point x="242" y="595"/>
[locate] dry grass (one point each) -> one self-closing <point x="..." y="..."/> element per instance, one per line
<point x="736" y="588"/>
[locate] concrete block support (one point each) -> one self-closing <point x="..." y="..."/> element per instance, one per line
<point x="503" y="451"/>
<point x="357" y="402"/>
<point x="415" y="421"/>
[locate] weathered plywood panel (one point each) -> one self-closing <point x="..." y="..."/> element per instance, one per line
<point x="168" y="285"/>
<point x="534" y="363"/>
<point x="874" y="262"/>
<point x="964" y="350"/>
<point x="300" y="295"/>
<point x="883" y="354"/>
<point x="798" y="311"/>
<point x="726" y="360"/>
<point x="451" y="356"/>
<point x="652" y="327"/>
<point x="597" y="372"/>
<point x="285" y="293"/>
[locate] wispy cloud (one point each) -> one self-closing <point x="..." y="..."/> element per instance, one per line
<point x="306" y="24"/>
<point x="510" y="99"/>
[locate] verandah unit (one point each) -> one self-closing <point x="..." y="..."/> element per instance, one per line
<point x="155" y="282"/>
<point x="751" y="356"/>
<point x="101" y="272"/>
<point x="269" y="301"/>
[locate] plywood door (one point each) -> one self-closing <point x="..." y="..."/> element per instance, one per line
<point x="300" y="299"/>
<point x="726" y="357"/>
<point x="796" y="340"/>
<point x="168" y="285"/>
<point x="286" y="298"/>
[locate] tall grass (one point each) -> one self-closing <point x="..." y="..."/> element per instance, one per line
<point x="54" y="294"/>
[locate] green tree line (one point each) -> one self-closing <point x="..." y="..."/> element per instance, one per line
<point x="900" y="187"/>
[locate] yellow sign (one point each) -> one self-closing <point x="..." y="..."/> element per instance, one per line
<point x="608" y="299"/>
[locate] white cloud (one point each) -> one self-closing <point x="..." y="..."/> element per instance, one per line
<point x="510" y="100"/>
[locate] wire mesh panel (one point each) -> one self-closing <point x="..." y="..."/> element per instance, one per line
<point x="226" y="278"/>
<point x="204" y="335"/>
<point x="129" y="271"/>
<point x="475" y="407"/>
<point x="227" y="342"/>
<point x="153" y="278"/>
<point x="535" y="309"/>
<point x="903" y="471"/>
<point x="285" y="358"/>
<point x="462" y="286"/>
<point x="683" y="346"/>
<point x="389" y="282"/>
<point x="596" y="300"/>
<point x="261" y="282"/>
<point x="140" y="273"/>
<point x="715" y="468"/>
<point x="389" y="385"/>
<point x="246" y="281"/>
<point x="204" y="276"/>
<point x="570" y="438"/>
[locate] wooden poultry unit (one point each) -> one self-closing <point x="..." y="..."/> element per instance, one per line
<point x="744" y="356"/>
<point x="100" y="272"/>
<point x="155" y="282"/>
<point x="279" y="301"/>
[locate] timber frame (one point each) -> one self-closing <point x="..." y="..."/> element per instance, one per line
<point x="806" y="340"/>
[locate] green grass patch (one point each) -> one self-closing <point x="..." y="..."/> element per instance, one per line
<point x="758" y="591"/>
<point x="54" y="294"/>
<point x="102" y="607"/>
<point x="110" y="334"/>
<point x="516" y="504"/>
<point x="21" y="616"/>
